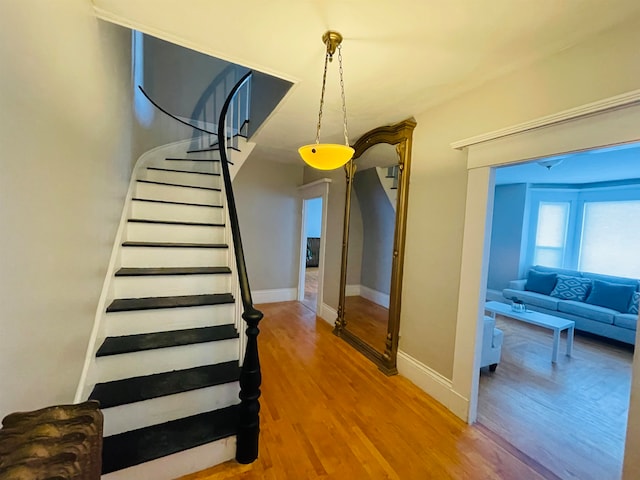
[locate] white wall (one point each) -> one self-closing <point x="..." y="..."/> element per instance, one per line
<point x="65" y="150"/>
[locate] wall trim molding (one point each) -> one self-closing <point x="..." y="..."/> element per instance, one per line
<point x="600" y="106"/>
<point x="375" y="296"/>
<point x="433" y="383"/>
<point x="274" y="295"/>
<point x="328" y="314"/>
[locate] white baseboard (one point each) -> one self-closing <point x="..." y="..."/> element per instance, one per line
<point x="352" y="290"/>
<point x="328" y="314"/>
<point x="370" y="294"/>
<point x="434" y="384"/>
<point x="375" y="296"/>
<point x="274" y="295"/>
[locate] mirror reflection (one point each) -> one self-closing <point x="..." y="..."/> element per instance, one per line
<point x="372" y="223"/>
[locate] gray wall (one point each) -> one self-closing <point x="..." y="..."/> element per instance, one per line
<point x="378" y="222"/>
<point x="270" y="215"/>
<point x="65" y="132"/>
<point x="506" y="235"/>
<point x="175" y="76"/>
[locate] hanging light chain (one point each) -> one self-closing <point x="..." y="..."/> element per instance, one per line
<point x="344" y="103"/>
<point x="324" y="83"/>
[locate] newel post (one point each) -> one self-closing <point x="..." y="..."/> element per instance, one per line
<point x="250" y="380"/>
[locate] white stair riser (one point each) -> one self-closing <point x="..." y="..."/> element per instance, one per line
<point x="167" y="285"/>
<point x="170" y="407"/>
<point x="181" y="463"/>
<point x="183" y="213"/>
<point x="126" y="365"/>
<point x="173" y="193"/>
<point x="207" y="167"/>
<point x="182" y="178"/>
<point x="161" y="232"/>
<point x="174" y="257"/>
<point x="163" y="319"/>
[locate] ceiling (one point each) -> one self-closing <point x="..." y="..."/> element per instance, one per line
<point x="602" y="165"/>
<point x="400" y="58"/>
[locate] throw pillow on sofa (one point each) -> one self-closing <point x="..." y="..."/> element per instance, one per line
<point x="635" y="300"/>
<point x="541" y="282"/>
<point x="610" y="295"/>
<point x="571" y="288"/>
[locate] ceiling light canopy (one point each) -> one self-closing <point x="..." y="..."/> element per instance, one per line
<point x="329" y="156"/>
<point x="550" y="163"/>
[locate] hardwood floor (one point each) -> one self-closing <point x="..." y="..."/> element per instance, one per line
<point x="367" y="320"/>
<point x="311" y="288"/>
<point x="327" y="412"/>
<point x="571" y="416"/>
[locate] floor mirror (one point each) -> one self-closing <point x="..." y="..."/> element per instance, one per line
<point x="373" y="243"/>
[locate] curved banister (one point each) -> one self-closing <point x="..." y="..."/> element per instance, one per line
<point x="172" y="115"/>
<point x="250" y="375"/>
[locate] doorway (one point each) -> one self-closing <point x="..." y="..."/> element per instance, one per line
<point x="586" y="393"/>
<point x="312" y="226"/>
<point x="609" y="122"/>
<point x="314" y="197"/>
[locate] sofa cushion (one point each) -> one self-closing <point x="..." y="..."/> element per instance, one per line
<point x="531" y="298"/>
<point x="610" y="295"/>
<point x="592" y="312"/>
<point x="633" y="305"/>
<point x="559" y="271"/>
<point x="571" y="288"/>
<point x="541" y="282"/>
<point x="611" y="279"/>
<point x="626" y="320"/>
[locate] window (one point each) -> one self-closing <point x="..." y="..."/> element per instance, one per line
<point x="610" y="238"/>
<point x="551" y="234"/>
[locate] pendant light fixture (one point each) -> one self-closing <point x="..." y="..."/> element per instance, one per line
<point x="329" y="156"/>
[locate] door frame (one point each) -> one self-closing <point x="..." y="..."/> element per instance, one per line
<point x="316" y="189"/>
<point x="608" y="122"/>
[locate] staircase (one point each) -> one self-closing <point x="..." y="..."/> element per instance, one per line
<point x="167" y="372"/>
<point x="168" y="353"/>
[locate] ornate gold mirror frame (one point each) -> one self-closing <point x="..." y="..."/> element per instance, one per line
<point x="399" y="136"/>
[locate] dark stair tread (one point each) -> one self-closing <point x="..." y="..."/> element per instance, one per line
<point x="174" y="338"/>
<point x="150" y="200"/>
<point x="150" y="303"/>
<point x="145" y="271"/>
<point x="179" y="185"/>
<point x="175" y="245"/>
<point x="138" y="389"/>
<point x="175" y="222"/>
<point x="213" y="149"/>
<point x="145" y="444"/>
<point x="160" y="169"/>
<point x="174" y="159"/>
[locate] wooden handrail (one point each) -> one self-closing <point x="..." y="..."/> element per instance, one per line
<point x="250" y="375"/>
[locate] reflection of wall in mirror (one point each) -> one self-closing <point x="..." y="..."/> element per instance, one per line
<point x="378" y="223"/>
<point x="354" y="252"/>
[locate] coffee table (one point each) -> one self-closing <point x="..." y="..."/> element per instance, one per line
<point x="556" y="324"/>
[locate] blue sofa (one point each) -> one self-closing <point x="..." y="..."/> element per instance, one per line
<point x="601" y="304"/>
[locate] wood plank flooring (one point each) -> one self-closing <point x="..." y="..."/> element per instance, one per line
<point x="329" y="413"/>
<point x="311" y="287"/>
<point x="571" y="416"/>
<point x="367" y="320"/>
